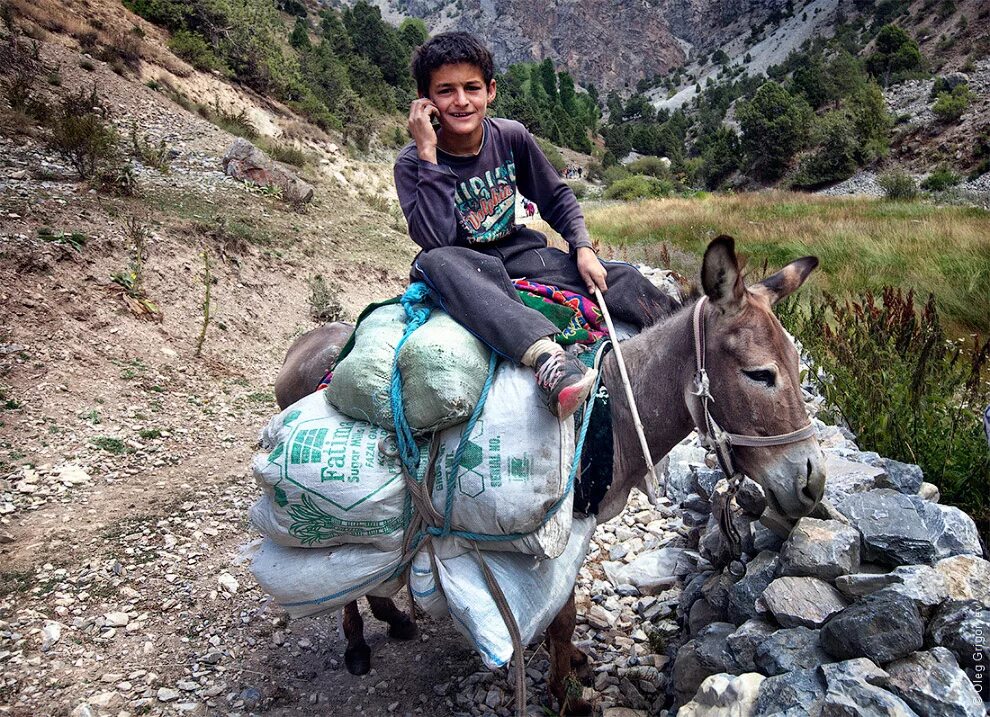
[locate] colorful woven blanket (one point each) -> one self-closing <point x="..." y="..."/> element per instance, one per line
<point x="578" y="318"/>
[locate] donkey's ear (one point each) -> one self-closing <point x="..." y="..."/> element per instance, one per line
<point x="720" y="275"/>
<point x="787" y="280"/>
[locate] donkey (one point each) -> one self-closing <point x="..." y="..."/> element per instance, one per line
<point x="752" y="371"/>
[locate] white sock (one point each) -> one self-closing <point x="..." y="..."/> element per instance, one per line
<point x="540" y="347"/>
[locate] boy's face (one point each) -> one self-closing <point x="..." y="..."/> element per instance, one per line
<point x="460" y="93"/>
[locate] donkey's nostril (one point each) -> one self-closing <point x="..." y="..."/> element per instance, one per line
<point x="811" y="468"/>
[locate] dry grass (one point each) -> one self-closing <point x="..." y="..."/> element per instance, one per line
<point x="863" y="244"/>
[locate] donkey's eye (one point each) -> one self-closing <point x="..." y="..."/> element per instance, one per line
<point x="762" y="375"/>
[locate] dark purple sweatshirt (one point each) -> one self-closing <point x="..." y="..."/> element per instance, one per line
<point x="472" y="200"/>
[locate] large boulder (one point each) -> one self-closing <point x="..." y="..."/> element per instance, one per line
<point x="853" y="691"/>
<point x="820" y="549"/>
<point x="883" y="627"/>
<point x="802" y="602"/>
<point x="796" y="648"/>
<point x="790" y="694"/>
<point x="724" y="695"/>
<point x="967" y="577"/>
<point x="893" y="530"/>
<point x="246" y="163"/>
<point x="932" y="684"/>
<point x="962" y="627"/>
<point x="921" y="583"/>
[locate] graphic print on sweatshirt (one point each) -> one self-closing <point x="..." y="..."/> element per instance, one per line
<point x="487" y="204"/>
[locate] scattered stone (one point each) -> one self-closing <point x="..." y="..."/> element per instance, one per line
<point x="117" y="619"/>
<point x="724" y="695"/>
<point x="820" y="548"/>
<point x="954" y="532"/>
<point x="893" y="531"/>
<point x="847" y="477"/>
<point x="929" y="492"/>
<point x="796" y="648"/>
<point x="229" y="583"/>
<point x="932" y="684"/>
<point x="802" y="602"/>
<point x="50" y="634"/>
<point x="167" y="694"/>
<point x="883" y="627"/>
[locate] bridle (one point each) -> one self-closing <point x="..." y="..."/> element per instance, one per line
<point x="719" y="440"/>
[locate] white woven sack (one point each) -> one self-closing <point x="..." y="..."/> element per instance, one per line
<point x="513" y="470"/>
<point x="326" y="481"/>
<point x="535" y="590"/>
<point x="443" y="370"/>
<point x="310" y="581"/>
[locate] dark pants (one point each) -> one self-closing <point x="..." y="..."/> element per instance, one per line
<point x="474" y="287"/>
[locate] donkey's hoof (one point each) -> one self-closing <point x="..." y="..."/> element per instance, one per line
<point x="581" y="667"/>
<point x="577" y="707"/>
<point x="403" y="629"/>
<point x="357" y="659"/>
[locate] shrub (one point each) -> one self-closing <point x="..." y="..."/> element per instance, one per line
<point x="196" y="51"/>
<point x="896" y="54"/>
<point x="237" y="123"/>
<point x="614" y="173"/>
<point x="950" y="106"/>
<point x="639" y="186"/>
<point x="653" y="166"/>
<point x="580" y="189"/>
<point x="323" y="303"/>
<point x="775" y="126"/>
<point x="287" y="153"/>
<point x="552" y="154"/>
<point x="82" y="136"/>
<point x="898" y="184"/>
<point x="835" y="157"/>
<point x="907" y="392"/>
<point x="941" y="179"/>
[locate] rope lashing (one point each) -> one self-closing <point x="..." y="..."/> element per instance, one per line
<point x="417" y="313"/>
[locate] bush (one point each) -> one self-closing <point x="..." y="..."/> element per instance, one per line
<point x="639" y="186"/>
<point x="950" y="106"/>
<point x="323" y="303"/>
<point x="775" y="126"/>
<point x="895" y="56"/>
<point x="614" y="173"/>
<point x="580" y="189"/>
<point x="941" y="179"/>
<point x="196" y="51"/>
<point x="898" y="184"/>
<point x="286" y="153"/>
<point x="906" y="391"/>
<point x="553" y="154"/>
<point x="835" y="157"/>
<point x="81" y="134"/>
<point x="652" y="166"/>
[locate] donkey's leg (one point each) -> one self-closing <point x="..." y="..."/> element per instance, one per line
<point x="357" y="656"/>
<point x="568" y="665"/>
<point x="399" y="625"/>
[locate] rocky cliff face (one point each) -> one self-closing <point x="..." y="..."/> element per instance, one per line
<point x="612" y="44"/>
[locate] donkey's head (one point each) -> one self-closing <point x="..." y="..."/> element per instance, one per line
<point x="753" y="377"/>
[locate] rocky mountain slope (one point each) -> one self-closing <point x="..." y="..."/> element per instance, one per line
<point x="612" y="44"/>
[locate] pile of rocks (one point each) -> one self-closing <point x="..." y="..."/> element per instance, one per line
<point x="878" y="603"/>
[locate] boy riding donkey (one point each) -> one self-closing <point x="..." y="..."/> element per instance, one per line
<point x="457" y="188"/>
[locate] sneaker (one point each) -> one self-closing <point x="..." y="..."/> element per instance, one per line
<point x="564" y="380"/>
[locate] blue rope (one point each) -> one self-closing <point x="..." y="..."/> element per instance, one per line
<point x="417" y="312"/>
<point x="462" y="445"/>
<point x="551" y="511"/>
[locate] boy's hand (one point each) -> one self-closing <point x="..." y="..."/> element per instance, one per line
<point x="591" y="270"/>
<point x="422" y="130"/>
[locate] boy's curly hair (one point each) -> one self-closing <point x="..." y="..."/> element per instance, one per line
<point x="450" y="48"/>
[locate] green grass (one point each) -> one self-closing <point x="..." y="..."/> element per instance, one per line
<point x="862" y="244"/>
<point x="110" y="445"/>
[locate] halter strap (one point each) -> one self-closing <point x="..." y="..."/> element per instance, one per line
<point x="720" y="440"/>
